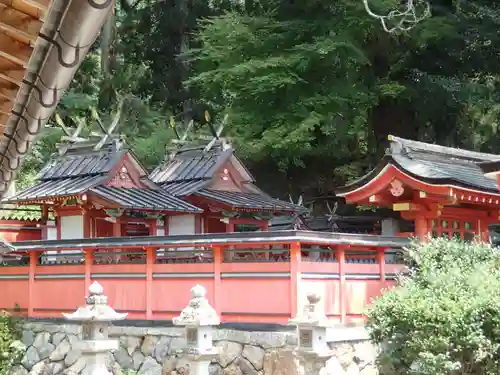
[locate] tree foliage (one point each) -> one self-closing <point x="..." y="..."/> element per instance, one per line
<point x="11" y="348"/>
<point x="444" y="318"/>
<point x="312" y="87"/>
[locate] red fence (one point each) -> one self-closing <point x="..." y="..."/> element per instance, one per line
<point x="248" y="279"/>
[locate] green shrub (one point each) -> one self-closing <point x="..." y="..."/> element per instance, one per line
<point x="11" y="348"/>
<point x="444" y="318"/>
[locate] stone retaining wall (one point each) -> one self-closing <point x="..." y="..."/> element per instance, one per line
<point x="52" y="350"/>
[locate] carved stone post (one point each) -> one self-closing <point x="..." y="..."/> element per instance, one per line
<point x="198" y="320"/>
<point x="95" y="317"/>
<point x="312" y="350"/>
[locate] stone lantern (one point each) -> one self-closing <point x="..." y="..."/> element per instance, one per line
<point x="312" y="349"/>
<point x="96" y="316"/>
<point x="198" y="320"/>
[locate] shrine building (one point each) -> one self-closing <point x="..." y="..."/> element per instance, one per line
<point x="443" y="191"/>
<point x="96" y="189"/>
<point x="212" y="178"/>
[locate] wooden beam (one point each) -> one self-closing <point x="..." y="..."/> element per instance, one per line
<point x="379" y="200"/>
<point x="8" y="93"/>
<point x="4" y="117"/>
<point x="14" y="21"/>
<point x="23" y="8"/>
<point x="39" y="4"/>
<point x="408" y="206"/>
<point x="5" y="105"/>
<point x="11" y="72"/>
<point x="14" y="51"/>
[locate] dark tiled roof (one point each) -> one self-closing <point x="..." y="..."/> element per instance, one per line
<point x="191" y="164"/>
<point x="145" y="199"/>
<point x="83" y="160"/>
<point x="60" y="187"/>
<point x="251" y="201"/>
<point x="434" y="164"/>
<point x="184" y="188"/>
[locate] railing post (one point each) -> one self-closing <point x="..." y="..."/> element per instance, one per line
<point x="381" y="264"/>
<point x="96" y="316"/>
<point x="150" y="260"/>
<point x="198" y="320"/>
<point x="312" y="348"/>
<point x="342" y="289"/>
<point x="217" y="252"/>
<point x="33" y="261"/>
<point x="89" y="261"/>
<point x="295" y="276"/>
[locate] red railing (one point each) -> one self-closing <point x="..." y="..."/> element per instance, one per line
<point x="250" y="277"/>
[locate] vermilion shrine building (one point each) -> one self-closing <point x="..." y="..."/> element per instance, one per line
<point x="95" y="189"/>
<point x="212" y="178"/>
<point x="441" y="190"/>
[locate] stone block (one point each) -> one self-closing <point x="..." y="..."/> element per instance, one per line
<point x="255" y="355"/>
<point x="229" y="351"/>
<point x="150" y="367"/>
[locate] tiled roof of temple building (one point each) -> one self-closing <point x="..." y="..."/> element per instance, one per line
<point x="81" y="168"/>
<point x="191" y="171"/>
<point x="191" y="168"/>
<point x="433" y="164"/>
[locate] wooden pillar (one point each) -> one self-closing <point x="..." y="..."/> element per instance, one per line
<point x="265" y="226"/>
<point x="295" y="277"/>
<point x="150" y="261"/>
<point x="342" y="289"/>
<point x="198" y="224"/>
<point x="33" y="255"/>
<point x="381" y="265"/>
<point x="421" y="229"/>
<point x="86" y="224"/>
<point x="230" y="226"/>
<point x="117" y="228"/>
<point x="89" y="261"/>
<point x="218" y="259"/>
<point x="483" y="232"/>
<point x="152" y="227"/>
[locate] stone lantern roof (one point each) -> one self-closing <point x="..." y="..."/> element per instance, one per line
<point x="198" y="312"/>
<point x="97" y="308"/>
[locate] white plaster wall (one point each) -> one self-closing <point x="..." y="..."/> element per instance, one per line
<point x="71" y="228"/>
<point x="181" y="224"/>
<point x="51" y="235"/>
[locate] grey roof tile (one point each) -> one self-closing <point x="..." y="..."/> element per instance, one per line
<point x="83" y="161"/>
<point x="252" y="201"/>
<point x="63" y="187"/>
<point x="145" y="199"/>
<point x="184" y="188"/>
<point x="433" y="164"/>
<point x="191" y="163"/>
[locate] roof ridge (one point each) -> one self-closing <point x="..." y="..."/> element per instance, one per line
<point x="399" y="144"/>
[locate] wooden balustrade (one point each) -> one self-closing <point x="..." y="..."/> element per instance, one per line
<point x="261" y="279"/>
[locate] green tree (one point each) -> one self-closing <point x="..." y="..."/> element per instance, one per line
<point x="444" y="318"/>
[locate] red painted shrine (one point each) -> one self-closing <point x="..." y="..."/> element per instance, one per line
<point x="199" y="219"/>
<point x="441" y="190"/>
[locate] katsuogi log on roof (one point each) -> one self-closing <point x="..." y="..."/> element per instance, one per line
<point x="110" y="175"/>
<point x="212" y="175"/>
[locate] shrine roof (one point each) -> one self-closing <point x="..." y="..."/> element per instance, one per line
<point x="75" y="169"/>
<point x="81" y="159"/>
<point x="432" y="164"/>
<point x="250" y="201"/>
<point x="66" y="187"/>
<point x="192" y="167"/>
<point x="83" y="167"/>
<point x="145" y="199"/>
